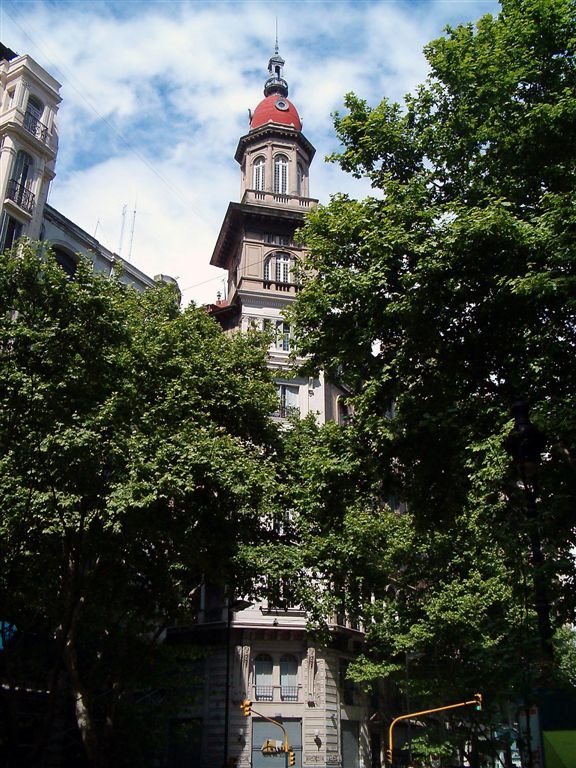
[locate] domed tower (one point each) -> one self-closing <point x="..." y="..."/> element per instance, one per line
<point x="266" y="652"/>
<point x="256" y="242"/>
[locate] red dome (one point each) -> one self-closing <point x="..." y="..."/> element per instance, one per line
<point x="276" y="109"/>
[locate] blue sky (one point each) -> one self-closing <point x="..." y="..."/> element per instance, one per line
<point x="156" y="95"/>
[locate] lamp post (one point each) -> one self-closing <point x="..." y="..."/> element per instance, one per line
<point x="525" y="444"/>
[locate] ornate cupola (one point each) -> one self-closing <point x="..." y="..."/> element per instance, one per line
<point x="276" y="83"/>
<point x="275" y="155"/>
<point x="256" y="243"/>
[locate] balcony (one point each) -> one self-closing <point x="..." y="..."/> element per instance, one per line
<point x="21" y="196"/>
<point x="35" y="127"/>
<point x="264" y="693"/>
<point x="289" y="693"/>
<point x="276" y="198"/>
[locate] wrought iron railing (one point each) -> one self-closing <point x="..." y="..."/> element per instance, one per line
<point x="264" y="693"/>
<point x="289" y="693"/>
<point x="20" y="195"/>
<point x="35" y="127"/>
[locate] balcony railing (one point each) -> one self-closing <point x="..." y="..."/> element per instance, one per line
<point x="20" y="195"/>
<point x="264" y="693"/>
<point x="35" y="127"/>
<point x="289" y="693"/>
<point x="277" y="198"/>
<point x="286" y="411"/>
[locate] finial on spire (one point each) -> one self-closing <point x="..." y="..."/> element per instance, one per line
<point x="275" y="82"/>
<point x="276" y="46"/>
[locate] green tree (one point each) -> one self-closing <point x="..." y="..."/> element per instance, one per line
<point x="438" y="302"/>
<point x="135" y="457"/>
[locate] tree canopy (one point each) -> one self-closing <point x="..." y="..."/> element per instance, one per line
<point x="438" y="302"/>
<point x="135" y="450"/>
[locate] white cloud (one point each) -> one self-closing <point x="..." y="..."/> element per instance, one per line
<point x="155" y="98"/>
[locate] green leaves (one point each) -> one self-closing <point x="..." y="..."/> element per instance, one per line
<point x="135" y="460"/>
<point x="437" y="303"/>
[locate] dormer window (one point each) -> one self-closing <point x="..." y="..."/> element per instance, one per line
<point x="281" y="175"/>
<point x="258" y="173"/>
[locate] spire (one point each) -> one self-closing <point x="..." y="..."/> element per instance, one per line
<point x="276" y="83"/>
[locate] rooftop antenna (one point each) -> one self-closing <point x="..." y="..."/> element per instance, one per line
<point x="122" y="230"/>
<point x="132" y="233"/>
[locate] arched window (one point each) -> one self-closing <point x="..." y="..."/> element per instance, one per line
<point x="281" y="174"/>
<point x="278" y="268"/>
<point x="66" y="260"/>
<point x="283" y="267"/>
<point x="263" y="671"/>
<point x="289" y="678"/>
<point x="258" y="173"/>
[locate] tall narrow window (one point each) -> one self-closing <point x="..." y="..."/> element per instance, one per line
<point x="288" y="678"/>
<point x="300" y="179"/>
<point x="23" y="168"/>
<point x="258" y="175"/>
<point x="288" y="397"/>
<point x="19" y="185"/>
<point x="32" y="118"/>
<point x="263" y="669"/>
<point x="281" y="174"/>
<point x="10" y="231"/>
<point x="283" y="336"/>
<point x="283" y="264"/>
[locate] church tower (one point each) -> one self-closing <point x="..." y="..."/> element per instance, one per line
<point x="256" y="244"/>
<point x="263" y="652"/>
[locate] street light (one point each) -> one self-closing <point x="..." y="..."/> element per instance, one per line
<point x="525" y="444"/>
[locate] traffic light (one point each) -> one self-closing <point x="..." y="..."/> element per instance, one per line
<point x="389" y="756"/>
<point x="478" y="700"/>
<point x="291" y="757"/>
<point x="246" y="707"/>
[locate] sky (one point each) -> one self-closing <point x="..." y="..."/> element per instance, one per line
<point x="156" y="93"/>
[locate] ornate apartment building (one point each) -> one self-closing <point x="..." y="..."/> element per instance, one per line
<point x="261" y="652"/>
<point x="29" y="99"/>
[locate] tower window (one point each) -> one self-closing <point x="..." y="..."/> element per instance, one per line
<point x="258" y="173"/>
<point x="300" y="179"/>
<point x="281" y="174"/>
<point x="278" y="267"/>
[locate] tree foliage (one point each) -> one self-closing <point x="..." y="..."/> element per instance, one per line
<point x="135" y="453"/>
<point x="438" y="302"/>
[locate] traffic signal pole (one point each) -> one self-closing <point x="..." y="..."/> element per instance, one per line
<point x="477" y="701"/>
<point x="246" y="707"/>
